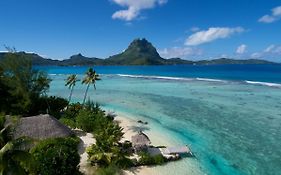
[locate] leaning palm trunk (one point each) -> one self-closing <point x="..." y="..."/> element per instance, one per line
<point x="86" y="92"/>
<point x="70" y="82"/>
<point x="70" y="95"/>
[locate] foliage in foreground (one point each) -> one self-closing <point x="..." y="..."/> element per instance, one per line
<point x="57" y="156"/>
<point x="20" y="84"/>
<point x="13" y="158"/>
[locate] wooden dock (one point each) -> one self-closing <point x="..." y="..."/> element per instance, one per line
<point x="177" y="150"/>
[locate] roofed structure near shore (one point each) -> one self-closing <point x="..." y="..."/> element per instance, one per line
<point x="41" y="127"/>
<point x="140" y="141"/>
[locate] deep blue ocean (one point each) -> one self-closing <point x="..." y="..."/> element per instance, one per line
<point x="263" y="73"/>
<point x="230" y="115"/>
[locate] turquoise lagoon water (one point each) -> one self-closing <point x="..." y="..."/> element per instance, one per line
<point x="230" y="115"/>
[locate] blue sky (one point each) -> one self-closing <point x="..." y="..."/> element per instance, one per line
<point x="190" y="29"/>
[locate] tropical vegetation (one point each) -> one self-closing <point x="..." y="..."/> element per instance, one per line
<point x="21" y="85"/>
<point x="14" y="158"/>
<point x="71" y="82"/>
<point x="57" y="156"/>
<point x="90" y="78"/>
<point x="23" y="92"/>
<point x="147" y="159"/>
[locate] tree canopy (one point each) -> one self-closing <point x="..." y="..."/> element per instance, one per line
<point x="20" y="83"/>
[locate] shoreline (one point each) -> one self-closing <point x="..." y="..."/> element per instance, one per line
<point x="130" y="127"/>
<point x="158" y="137"/>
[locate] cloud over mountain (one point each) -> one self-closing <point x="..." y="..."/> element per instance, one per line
<point x="212" y="34"/>
<point x="134" y="8"/>
<point x="180" y="52"/>
<point x="241" y="49"/>
<point x="272" y="52"/>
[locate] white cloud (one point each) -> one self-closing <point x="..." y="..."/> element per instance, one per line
<point x="134" y="8"/>
<point x="267" y="19"/>
<point x="269" y="48"/>
<point x="180" y="52"/>
<point x="270" y="52"/>
<point x="211" y="34"/>
<point x="274" y="16"/>
<point x="256" y="55"/>
<point x="276" y="11"/>
<point x="272" y="49"/>
<point x="278" y="50"/>
<point x="241" y="49"/>
<point x="223" y="55"/>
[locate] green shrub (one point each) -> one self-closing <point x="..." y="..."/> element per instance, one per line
<point x="68" y="122"/>
<point x="48" y="104"/>
<point x="124" y="162"/>
<point x="72" y="111"/>
<point x="94" y="107"/>
<point x="86" y="120"/>
<point x="110" y="170"/>
<point x="57" y="156"/>
<point x="90" y="121"/>
<point x="159" y="159"/>
<point x="2" y="121"/>
<point x="56" y="104"/>
<point x="126" y="145"/>
<point x="147" y="159"/>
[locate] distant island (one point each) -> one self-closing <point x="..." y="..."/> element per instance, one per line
<point x="139" y="52"/>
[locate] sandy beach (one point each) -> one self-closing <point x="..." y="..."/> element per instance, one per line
<point x="131" y="127"/>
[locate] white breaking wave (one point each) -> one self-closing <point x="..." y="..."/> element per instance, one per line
<point x="154" y="77"/>
<point x="170" y="78"/>
<point x="208" y="79"/>
<point x="58" y="74"/>
<point x="264" y="83"/>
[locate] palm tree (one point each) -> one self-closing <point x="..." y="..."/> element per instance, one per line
<point x="71" y="82"/>
<point x="90" y="78"/>
<point x="107" y="149"/>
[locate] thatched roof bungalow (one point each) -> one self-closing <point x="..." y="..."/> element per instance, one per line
<point x="140" y="141"/>
<point x="41" y="127"/>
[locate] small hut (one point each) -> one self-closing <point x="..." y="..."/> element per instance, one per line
<point x="140" y="142"/>
<point x="41" y="127"/>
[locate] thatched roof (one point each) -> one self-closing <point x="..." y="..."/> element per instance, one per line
<point x="140" y="139"/>
<point x="41" y="127"/>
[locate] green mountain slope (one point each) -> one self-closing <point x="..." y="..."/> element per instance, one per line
<point x="139" y="52"/>
<point x="81" y="60"/>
